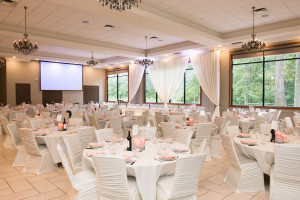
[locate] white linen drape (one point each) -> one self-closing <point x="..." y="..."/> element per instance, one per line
<point x="207" y="69"/>
<point x="166" y="75"/>
<point x="136" y="72"/>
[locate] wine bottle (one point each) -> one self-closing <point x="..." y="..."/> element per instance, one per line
<point x="273" y="135"/>
<point x="64" y="125"/>
<point x="129" y="148"/>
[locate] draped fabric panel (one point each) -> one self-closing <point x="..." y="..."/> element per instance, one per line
<point x="136" y="72"/>
<point x="166" y="75"/>
<point x="207" y="69"/>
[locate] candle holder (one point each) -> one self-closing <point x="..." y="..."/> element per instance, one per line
<point x="138" y="143"/>
<point x="60" y="126"/>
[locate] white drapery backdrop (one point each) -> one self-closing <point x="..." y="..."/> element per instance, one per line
<point x="166" y="75"/>
<point x="136" y="72"/>
<point x="207" y="69"/>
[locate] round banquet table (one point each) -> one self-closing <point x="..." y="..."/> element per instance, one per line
<point x="51" y="139"/>
<point x="146" y="169"/>
<point x="262" y="153"/>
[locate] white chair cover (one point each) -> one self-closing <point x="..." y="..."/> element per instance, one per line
<point x="112" y="179"/>
<point x="158" y="117"/>
<point x="184" y="184"/>
<point x="86" y="135"/>
<point x="84" y="184"/>
<point x="202" y="118"/>
<point x="244" y="174"/>
<point x="148" y="132"/>
<point x="75" y="121"/>
<point x="285" y="174"/>
<point x="278" y="115"/>
<point x="8" y="142"/>
<point x="183" y="136"/>
<point x="140" y="120"/>
<point x="39" y="159"/>
<point x="168" y="129"/>
<point x="93" y="121"/>
<point x="258" y="121"/>
<point x="265" y="129"/>
<point x="116" y="125"/>
<point x="203" y="131"/>
<point x="220" y="121"/>
<point x="36" y="122"/>
<point x="234" y="120"/>
<point x="21" y="154"/>
<point x="245" y="125"/>
<point x="227" y="113"/>
<point x="87" y="120"/>
<point x="75" y="150"/>
<point x="104" y="134"/>
<point x="289" y="125"/>
<point x="233" y="130"/>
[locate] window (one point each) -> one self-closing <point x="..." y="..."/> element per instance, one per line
<point x="188" y="91"/>
<point x="272" y="78"/>
<point x="117" y="85"/>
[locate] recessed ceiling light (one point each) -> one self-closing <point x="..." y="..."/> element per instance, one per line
<point x="153" y="37"/>
<point x="36" y="59"/>
<point x="219" y="45"/>
<point x="14" y="56"/>
<point x="85" y="21"/>
<point x="177" y="53"/>
<point x="108" y="26"/>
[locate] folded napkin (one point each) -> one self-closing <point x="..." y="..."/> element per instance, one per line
<point x="177" y="126"/>
<point x="167" y="156"/>
<point x="72" y="132"/>
<point x="40" y="133"/>
<point x="248" y="141"/>
<point x="35" y="129"/>
<point x="243" y="135"/>
<point x="180" y="149"/>
<point x="91" y="153"/>
<point x="115" y="139"/>
<point x="95" y="144"/>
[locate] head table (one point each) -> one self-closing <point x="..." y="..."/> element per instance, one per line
<point x="147" y="168"/>
<point x="262" y="151"/>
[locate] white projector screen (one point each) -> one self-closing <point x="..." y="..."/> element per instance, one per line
<point x="60" y="76"/>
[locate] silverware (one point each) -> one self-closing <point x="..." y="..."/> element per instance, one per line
<point x="132" y="162"/>
<point x="158" y="159"/>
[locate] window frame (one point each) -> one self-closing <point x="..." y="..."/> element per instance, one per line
<point x="117" y="72"/>
<point x="278" y="47"/>
<point x="157" y="97"/>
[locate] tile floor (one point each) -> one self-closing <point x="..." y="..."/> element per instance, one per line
<point x="15" y="184"/>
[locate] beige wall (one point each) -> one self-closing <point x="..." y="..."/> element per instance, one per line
<point x="29" y="72"/>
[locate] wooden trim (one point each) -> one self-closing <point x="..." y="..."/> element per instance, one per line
<point x="288" y="44"/>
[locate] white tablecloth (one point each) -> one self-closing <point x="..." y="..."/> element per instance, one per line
<point x="262" y="153"/>
<point x="51" y="140"/>
<point x="147" y="170"/>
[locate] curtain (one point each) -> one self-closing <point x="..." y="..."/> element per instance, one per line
<point x="166" y="75"/>
<point x="136" y="72"/>
<point x="207" y="69"/>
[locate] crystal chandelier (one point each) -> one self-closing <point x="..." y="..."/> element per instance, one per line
<point x="92" y="62"/>
<point x="24" y="45"/>
<point x="146" y="62"/>
<point x="253" y="45"/>
<point x="2" y="62"/>
<point x="120" y="5"/>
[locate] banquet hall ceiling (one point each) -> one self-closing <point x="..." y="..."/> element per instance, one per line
<point x="181" y="26"/>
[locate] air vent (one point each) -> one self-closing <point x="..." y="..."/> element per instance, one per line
<point x="177" y="53"/>
<point x="154" y="37"/>
<point x="108" y="26"/>
<point x="237" y="43"/>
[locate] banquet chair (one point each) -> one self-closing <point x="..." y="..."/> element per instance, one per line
<point x="289" y="125"/>
<point x="220" y="122"/>
<point x="245" y="125"/>
<point x="158" y="118"/>
<point x="46" y="114"/>
<point x="227" y="113"/>
<point x="270" y="118"/>
<point x="21" y="116"/>
<point x="36" y="123"/>
<point x="146" y="117"/>
<point x="233" y="131"/>
<point x="203" y="131"/>
<point x="104" y="134"/>
<point x="116" y="125"/>
<point x="195" y="115"/>
<point x="113" y="182"/>
<point x="13" y="115"/>
<point x="168" y="129"/>
<point x="296" y="122"/>
<point x="8" y="142"/>
<point x="75" y="121"/>
<point x="278" y="115"/>
<point x="21" y="154"/>
<point x="84" y="184"/>
<point x="285" y="173"/>
<point x="140" y="120"/>
<point x="200" y="148"/>
<point x="202" y="118"/>
<point x="87" y="120"/>
<point x="244" y="174"/>
<point x="76" y="114"/>
<point x="183" y="136"/>
<point x="148" y="132"/>
<point x="184" y="184"/>
<point x="226" y="126"/>
<point x="265" y="129"/>
<point x="94" y="122"/>
<point x="129" y="113"/>
<point x="234" y="120"/>
<point x="75" y="150"/>
<point x="38" y="160"/>
<point x="252" y="114"/>
<point x="86" y="135"/>
<point x="259" y="120"/>
<point x="215" y="147"/>
<point x="208" y="115"/>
